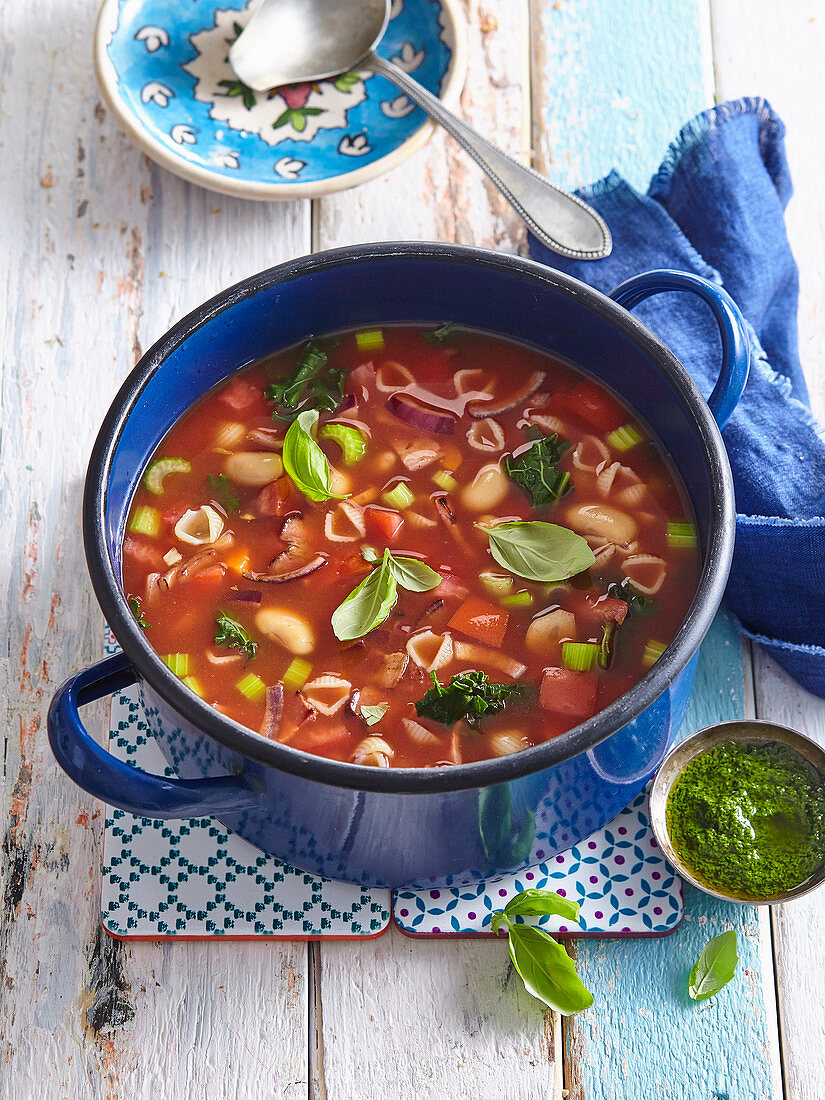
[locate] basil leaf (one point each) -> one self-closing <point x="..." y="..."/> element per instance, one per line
<point x="414" y="575"/>
<point x="546" y="969"/>
<point x="410" y="573"/>
<point x="230" y="633"/>
<point x="714" y="968"/>
<point x="542" y="903"/>
<point x="304" y="460"/>
<point x="371" y="715"/>
<point x="368" y="605"/>
<point x="539" y="551"/>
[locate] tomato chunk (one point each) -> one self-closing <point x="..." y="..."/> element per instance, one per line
<point x="605" y="609"/>
<point x="481" y="620"/>
<point x="591" y="403"/>
<point x="572" y="694"/>
<point x="143" y="553"/>
<point x="383" y="521"/>
<point x="274" y="499"/>
<point x="213" y="574"/>
<point x="240" y="394"/>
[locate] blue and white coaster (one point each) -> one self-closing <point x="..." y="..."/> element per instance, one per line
<point x="195" y="879"/>
<point x="619" y="877"/>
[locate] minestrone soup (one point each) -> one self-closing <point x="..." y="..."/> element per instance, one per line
<point x="410" y="547"/>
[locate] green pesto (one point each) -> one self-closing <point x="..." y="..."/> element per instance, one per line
<point x="748" y="818"/>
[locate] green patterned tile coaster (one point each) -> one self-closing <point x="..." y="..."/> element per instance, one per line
<point x="194" y="879"/>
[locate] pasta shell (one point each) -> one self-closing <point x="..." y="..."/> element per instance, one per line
<point x="326" y="694"/>
<point x="374" y="752"/>
<point x="430" y="651"/>
<point x="199" y="527"/>
<point x="646" y="571"/>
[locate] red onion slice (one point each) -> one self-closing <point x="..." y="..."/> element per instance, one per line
<point x="481" y="409"/>
<point x="271" y="725"/>
<point x="246" y="595"/>
<point x="420" y="416"/>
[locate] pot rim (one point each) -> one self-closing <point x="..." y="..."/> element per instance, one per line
<point x="246" y="742"/>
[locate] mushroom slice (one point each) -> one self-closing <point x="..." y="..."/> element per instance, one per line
<point x="486" y="435"/>
<point x="326" y="694"/>
<point x="646" y="571"/>
<point x="429" y="650"/>
<point x="289" y="565"/>
<point x="418" y="733"/>
<point x="271" y="725"/>
<point x="590" y="453"/>
<point x="344" y="523"/>
<point x="393" y="667"/>
<point x="479" y="654"/>
<point x="199" y="527"/>
<point x="372" y="751"/>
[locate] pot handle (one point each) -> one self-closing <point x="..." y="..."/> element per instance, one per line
<point x="735" y="343"/>
<point x="115" y="782"/>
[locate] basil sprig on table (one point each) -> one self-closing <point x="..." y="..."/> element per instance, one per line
<point x="305" y="462"/>
<point x="714" y="968"/>
<point x="368" y="605"/>
<point x="539" y="551"/>
<point x="548" y="972"/>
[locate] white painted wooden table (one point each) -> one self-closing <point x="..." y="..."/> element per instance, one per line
<point x="101" y="252"/>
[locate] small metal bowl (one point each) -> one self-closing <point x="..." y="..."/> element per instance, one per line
<point x="698" y="743"/>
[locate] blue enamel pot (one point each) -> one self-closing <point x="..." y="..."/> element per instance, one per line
<point x="392" y="827"/>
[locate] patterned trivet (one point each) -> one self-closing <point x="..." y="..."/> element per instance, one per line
<point x="194" y="879"/>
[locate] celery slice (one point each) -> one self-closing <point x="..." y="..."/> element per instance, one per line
<point x="145" y="521"/>
<point x="517" y="599"/>
<point x="579" y="656"/>
<point x="296" y="675"/>
<point x="653" y="651"/>
<point x="625" y="437"/>
<point x="445" y="480"/>
<point x="251" y="686"/>
<point x="350" y="440"/>
<point x="178" y="663"/>
<point x="370" y="341"/>
<point x="681" y="536"/>
<point x="399" y="496"/>
<point x="153" y="478"/>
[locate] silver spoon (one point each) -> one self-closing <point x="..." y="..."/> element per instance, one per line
<point x="301" y="41"/>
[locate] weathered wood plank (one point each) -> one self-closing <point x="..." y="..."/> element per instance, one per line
<point x="612" y="86"/>
<point x="776" y="52"/>
<point x="100" y="252"/>
<point x="409" y="1017"/>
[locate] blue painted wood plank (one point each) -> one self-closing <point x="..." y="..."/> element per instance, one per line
<point x="613" y="82"/>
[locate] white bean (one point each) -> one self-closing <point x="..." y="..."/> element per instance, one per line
<point x="253" y="468"/>
<point x="291" y="631"/>
<point x="549" y="629"/>
<point x="602" y="521"/>
<point x="488" y="489"/>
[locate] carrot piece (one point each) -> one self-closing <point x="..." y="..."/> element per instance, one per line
<point x="239" y="561"/>
<point x="591" y="403"/>
<point x="480" y="620"/>
<point x="383" y="521"/>
<point x="572" y="694"/>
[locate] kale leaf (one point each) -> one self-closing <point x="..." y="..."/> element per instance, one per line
<point x="637" y="604"/>
<point x="469" y="695"/>
<point x="309" y="387"/>
<point x="536" y="470"/>
<point x="224" y="492"/>
<point x="230" y="633"/>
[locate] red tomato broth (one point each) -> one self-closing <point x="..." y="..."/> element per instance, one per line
<point x="181" y="617"/>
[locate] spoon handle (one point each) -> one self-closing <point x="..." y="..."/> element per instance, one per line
<point x="561" y="221"/>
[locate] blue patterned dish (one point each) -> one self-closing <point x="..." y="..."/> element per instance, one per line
<point x="163" y="68"/>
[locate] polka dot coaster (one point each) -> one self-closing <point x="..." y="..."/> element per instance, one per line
<point x="618" y="876"/>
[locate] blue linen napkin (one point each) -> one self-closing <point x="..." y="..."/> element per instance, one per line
<point x="716" y="208"/>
